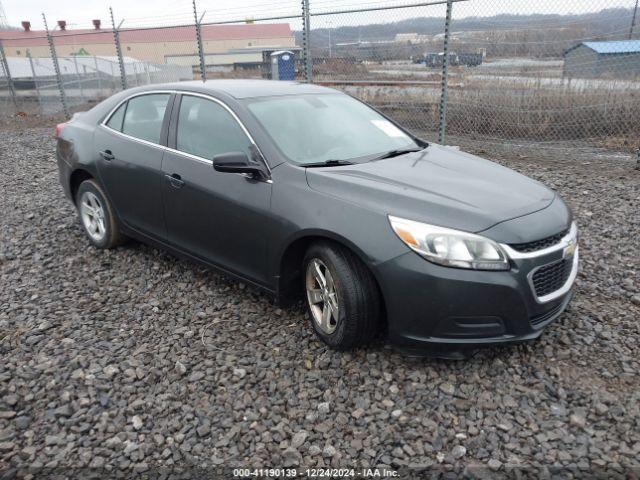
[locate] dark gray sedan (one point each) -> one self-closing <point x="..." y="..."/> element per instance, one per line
<point x="305" y="191"/>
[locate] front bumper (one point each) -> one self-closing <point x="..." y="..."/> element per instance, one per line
<point x="430" y="307"/>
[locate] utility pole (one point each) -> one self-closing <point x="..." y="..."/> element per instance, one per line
<point x="633" y="20"/>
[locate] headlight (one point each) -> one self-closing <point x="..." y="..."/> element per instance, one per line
<point x="451" y="248"/>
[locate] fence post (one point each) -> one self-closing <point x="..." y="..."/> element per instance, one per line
<point x="56" y="68"/>
<point x="116" y="39"/>
<point x="633" y="21"/>
<point x="306" y="41"/>
<point x="5" y="67"/>
<point x="112" y="83"/>
<point x="35" y="80"/>
<point x="95" y="60"/>
<point x="203" y="71"/>
<point x="78" y="77"/>
<point x="445" y="75"/>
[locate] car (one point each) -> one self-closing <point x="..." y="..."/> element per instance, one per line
<point x="310" y="194"/>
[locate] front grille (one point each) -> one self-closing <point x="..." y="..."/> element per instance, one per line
<point x="539" y="244"/>
<point x="542" y="319"/>
<point x="551" y="277"/>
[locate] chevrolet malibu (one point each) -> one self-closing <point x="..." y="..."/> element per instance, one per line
<point x="306" y="192"/>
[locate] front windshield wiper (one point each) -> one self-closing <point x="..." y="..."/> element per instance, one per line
<point x="327" y="163"/>
<point x="397" y="152"/>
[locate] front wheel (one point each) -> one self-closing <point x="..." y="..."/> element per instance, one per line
<point x="342" y="296"/>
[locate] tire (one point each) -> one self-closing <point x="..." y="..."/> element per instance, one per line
<point x="358" y="297"/>
<point x="97" y="216"/>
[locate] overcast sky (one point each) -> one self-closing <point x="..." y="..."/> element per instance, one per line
<point x="79" y="13"/>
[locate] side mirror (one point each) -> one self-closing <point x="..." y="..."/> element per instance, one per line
<point x="237" y="162"/>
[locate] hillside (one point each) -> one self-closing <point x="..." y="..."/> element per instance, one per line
<point x="491" y="32"/>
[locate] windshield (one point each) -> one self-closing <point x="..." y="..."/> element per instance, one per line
<point x="319" y="128"/>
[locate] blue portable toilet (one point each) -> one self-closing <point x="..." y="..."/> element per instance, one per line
<point x="283" y="65"/>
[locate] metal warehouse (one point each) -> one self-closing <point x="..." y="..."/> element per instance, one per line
<point x="606" y="59"/>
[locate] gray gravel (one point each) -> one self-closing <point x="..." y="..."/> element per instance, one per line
<point x="132" y="360"/>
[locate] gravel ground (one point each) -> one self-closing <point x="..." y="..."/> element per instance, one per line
<point x="132" y="360"/>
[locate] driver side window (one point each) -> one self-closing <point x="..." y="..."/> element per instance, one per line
<point x="206" y="129"/>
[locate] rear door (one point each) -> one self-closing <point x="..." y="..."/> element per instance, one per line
<point x="130" y="150"/>
<point x="219" y="217"/>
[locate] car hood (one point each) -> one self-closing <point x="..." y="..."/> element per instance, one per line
<point x="439" y="185"/>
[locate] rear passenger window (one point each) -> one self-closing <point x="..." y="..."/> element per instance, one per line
<point x="115" y="121"/>
<point x="144" y="115"/>
<point x="206" y="129"/>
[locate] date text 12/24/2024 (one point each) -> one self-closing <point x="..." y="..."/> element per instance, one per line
<point x="314" y="473"/>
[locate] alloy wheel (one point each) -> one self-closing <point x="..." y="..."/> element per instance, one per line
<point x="322" y="296"/>
<point x="93" y="216"/>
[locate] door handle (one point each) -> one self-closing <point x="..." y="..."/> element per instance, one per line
<point x="175" y="180"/>
<point x="107" y="155"/>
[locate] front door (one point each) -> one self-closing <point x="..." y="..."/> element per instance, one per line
<point x="130" y="161"/>
<point x="219" y="217"/>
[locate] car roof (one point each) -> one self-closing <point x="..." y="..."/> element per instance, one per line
<point x="246" y="88"/>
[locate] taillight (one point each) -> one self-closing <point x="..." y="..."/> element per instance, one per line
<point x="59" y="128"/>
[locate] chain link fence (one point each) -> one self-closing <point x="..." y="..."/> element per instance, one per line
<point x="378" y="64"/>
<point x="550" y="76"/>
<point x="453" y="71"/>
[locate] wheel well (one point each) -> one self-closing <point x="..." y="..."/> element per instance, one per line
<point x="290" y="271"/>
<point x="77" y="177"/>
<point x="290" y="282"/>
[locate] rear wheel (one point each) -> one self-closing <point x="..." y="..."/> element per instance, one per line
<point x="342" y="296"/>
<point x="97" y="216"/>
